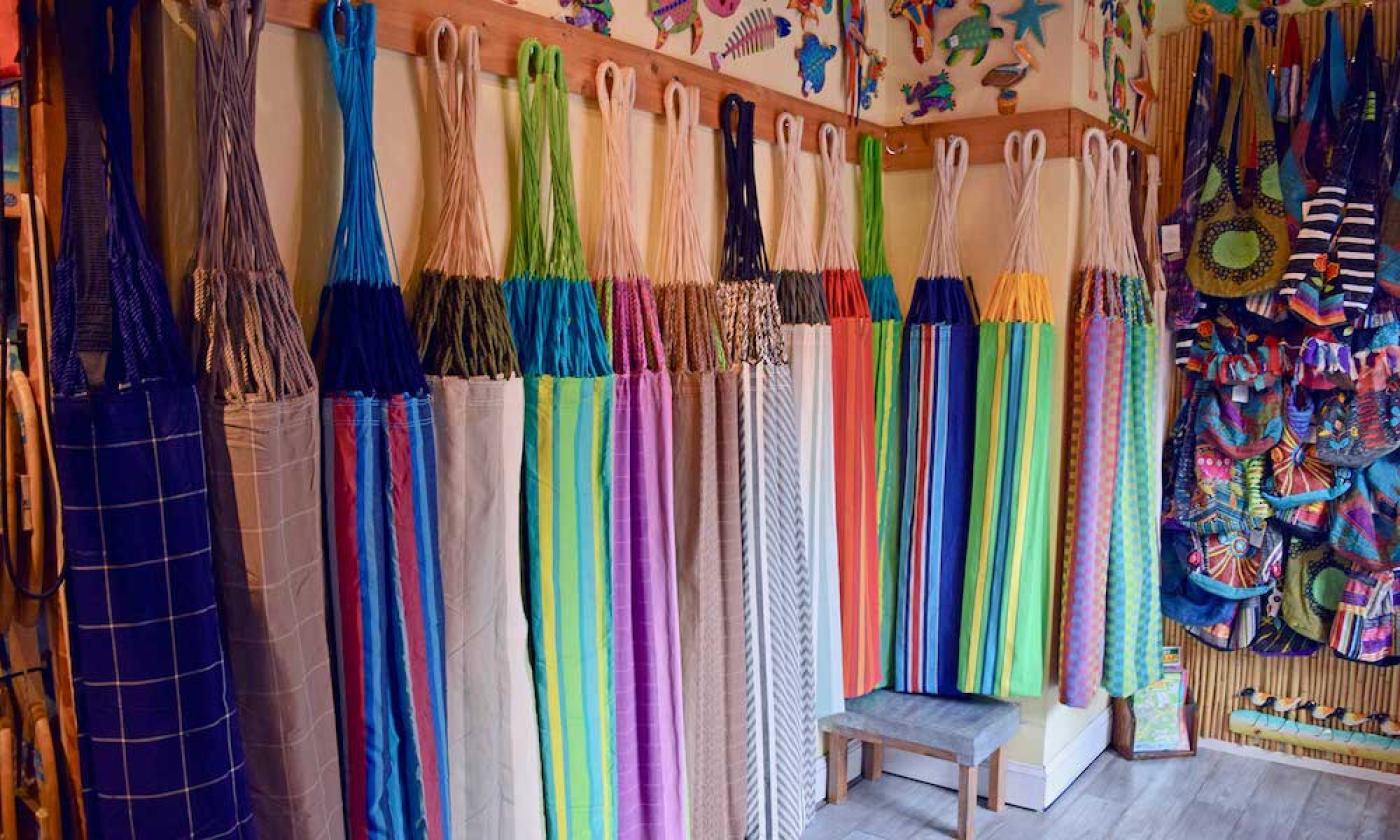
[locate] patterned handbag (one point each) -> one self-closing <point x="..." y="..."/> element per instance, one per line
<point x="1357" y="428"/>
<point x="1300" y="486"/>
<point x="1312" y="585"/>
<point x="1237" y="565"/>
<point x="1241" y="242"/>
<point x="1243" y="422"/>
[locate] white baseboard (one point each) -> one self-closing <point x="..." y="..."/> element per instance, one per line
<point x="1027" y="785"/>
<point x="1321" y="765"/>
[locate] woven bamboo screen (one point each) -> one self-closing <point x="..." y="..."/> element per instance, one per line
<point x="1216" y="677"/>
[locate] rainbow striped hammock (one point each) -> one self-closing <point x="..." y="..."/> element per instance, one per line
<point x="1002" y="643"/>
<point x="887" y="327"/>
<point x="381" y="506"/>
<point x="938" y="389"/>
<point x="567" y="485"/>
<point x="646" y="636"/>
<point x="479" y="411"/>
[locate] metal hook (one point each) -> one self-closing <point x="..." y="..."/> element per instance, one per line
<point x="892" y="151"/>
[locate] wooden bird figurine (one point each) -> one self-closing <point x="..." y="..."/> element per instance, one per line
<point x="1012" y="73"/>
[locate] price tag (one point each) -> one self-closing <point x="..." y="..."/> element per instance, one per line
<point x="1171" y="240"/>
<point x="1240" y="394"/>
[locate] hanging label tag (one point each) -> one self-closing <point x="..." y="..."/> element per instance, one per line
<point x="1256" y="537"/>
<point x="1240" y="394"/>
<point x="1171" y="240"/>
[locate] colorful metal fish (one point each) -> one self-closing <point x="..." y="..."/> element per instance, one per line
<point x="934" y="94"/>
<point x="595" y="15"/>
<point x="919" y="14"/>
<point x="1118" y="97"/>
<point x="1123" y="26"/>
<point x="758" y="32"/>
<point x="808" y="12"/>
<point x="870" y="81"/>
<point x="1147" y="16"/>
<point x="973" y="34"/>
<point x="812" y="57"/>
<point x="672" y="16"/>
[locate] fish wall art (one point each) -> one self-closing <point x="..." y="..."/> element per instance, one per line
<point x="757" y="32"/>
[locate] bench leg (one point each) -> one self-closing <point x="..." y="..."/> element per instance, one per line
<point x="996" y="785"/>
<point x="835" y="768"/>
<point x="967" y="800"/>
<point x="872" y="760"/>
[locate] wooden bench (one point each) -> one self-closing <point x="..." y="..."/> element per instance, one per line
<point x="966" y="730"/>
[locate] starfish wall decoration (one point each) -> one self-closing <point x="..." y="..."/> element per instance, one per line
<point x="1027" y="19"/>
<point x="1141" y="85"/>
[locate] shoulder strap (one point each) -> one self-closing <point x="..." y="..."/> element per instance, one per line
<point x="527" y="254"/>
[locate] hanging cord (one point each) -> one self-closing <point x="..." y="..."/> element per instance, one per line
<point x="460" y="321"/>
<point x="745" y="257"/>
<point x="1156" y="276"/>
<point x="1132" y="290"/>
<point x="872" y="257"/>
<point x="249" y="341"/>
<point x="1096" y="261"/>
<point x="527" y="253"/>
<point x="795" y="251"/>
<point x="940" y="253"/>
<point x="1022" y="292"/>
<point x="624" y="294"/>
<point x="685" y="290"/>
<point x="836" y="250"/>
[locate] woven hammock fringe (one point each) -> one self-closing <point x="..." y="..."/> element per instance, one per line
<point x="461" y="327"/>
<point x="1020" y="298"/>
<point x="801" y="297"/>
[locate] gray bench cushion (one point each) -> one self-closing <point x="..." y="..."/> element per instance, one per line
<point x="969" y="727"/>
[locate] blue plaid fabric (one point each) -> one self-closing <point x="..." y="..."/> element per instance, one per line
<point x="160" y="750"/>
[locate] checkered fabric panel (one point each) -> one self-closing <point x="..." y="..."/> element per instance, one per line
<point x="161" y="750"/>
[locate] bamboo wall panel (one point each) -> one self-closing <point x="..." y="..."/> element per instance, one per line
<point x="1216" y="677"/>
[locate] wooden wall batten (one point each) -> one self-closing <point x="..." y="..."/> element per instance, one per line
<point x="1218" y="677"/>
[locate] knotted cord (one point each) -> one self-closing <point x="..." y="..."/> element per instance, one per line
<point x="800" y="297"/>
<point x="1022" y="292"/>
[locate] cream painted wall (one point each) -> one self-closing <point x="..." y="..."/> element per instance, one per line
<point x="299" y="143"/>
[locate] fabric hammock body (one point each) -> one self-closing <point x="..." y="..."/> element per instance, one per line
<point x="1098" y="393"/>
<point x="479" y="412"/>
<point x="938" y="382"/>
<point x="262" y="447"/>
<point x="151" y="685"/>
<point x="568" y="475"/>
<point x="802" y="305"/>
<point x="887" y="328"/>
<point x="381" y="496"/>
<point x="779" y="677"/>
<point x="1008" y="552"/>
<point x="709" y="546"/>
<point x="853" y="409"/>
<point x="646" y="636"/>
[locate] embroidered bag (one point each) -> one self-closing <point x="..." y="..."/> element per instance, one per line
<point x="1241" y="244"/>
<point x="1312" y="584"/>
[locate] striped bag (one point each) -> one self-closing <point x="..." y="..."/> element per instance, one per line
<point x="158" y="729"/>
<point x="567" y="485"/>
<point x="1002" y="638"/>
<point x="938" y="382"/>
<point x="380" y="483"/>
<point x="887" y="325"/>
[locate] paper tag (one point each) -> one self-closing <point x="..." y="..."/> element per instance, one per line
<point x="1240" y="394"/>
<point x="1256" y="537"/>
<point x="1171" y="240"/>
<point x="951" y="42"/>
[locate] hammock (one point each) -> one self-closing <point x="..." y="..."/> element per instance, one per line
<point x="1002" y="640"/>
<point x="479" y="411"/>
<point x="940" y="345"/>
<point x="853" y="400"/>
<point x="646" y="637"/>
<point x="777" y="584"/>
<point x="803" y="307"/>
<point x="567" y="484"/>
<point x="709" y="552"/>
<point x="262" y="441"/>
<point x="381" y="484"/>
<point x="886" y="328"/>
<point x="150" y="683"/>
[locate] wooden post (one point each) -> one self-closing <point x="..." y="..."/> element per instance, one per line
<point x="872" y="761"/>
<point x="836" y="748"/>
<point x="996" y="785"/>
<point x="967" y="800"/>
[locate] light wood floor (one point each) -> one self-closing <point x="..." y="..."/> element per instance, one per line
<point x="1214" y="795"/>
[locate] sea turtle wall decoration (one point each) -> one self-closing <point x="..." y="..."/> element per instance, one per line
<point x="973" y="34"/>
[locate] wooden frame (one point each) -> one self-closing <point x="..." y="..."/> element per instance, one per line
<point x="1125" y="723"/>
<point x="838" y="739"/>
<point x="403" y="24"/>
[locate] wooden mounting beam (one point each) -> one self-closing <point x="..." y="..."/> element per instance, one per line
<point x="403" y="25"/>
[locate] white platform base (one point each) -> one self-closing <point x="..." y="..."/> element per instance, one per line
<point x="1027" y="785"/>
<point x="1321" y="765"/>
